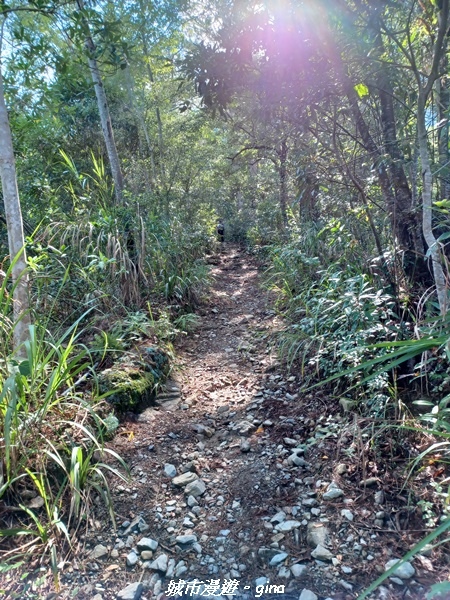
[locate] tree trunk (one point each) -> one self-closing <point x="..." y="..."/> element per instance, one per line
<point x="141" y="124"/>
<point x="403" y="218"/>
<point x="14" y="225"/>
<point x="434" y="250"/>
<point x="103" y="110"/>
<point x="282" y="154"/>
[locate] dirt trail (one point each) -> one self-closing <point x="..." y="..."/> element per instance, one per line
<point x="259" y="459"/>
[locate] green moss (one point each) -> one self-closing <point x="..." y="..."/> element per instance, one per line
<point x="127" y="386"/>
<point x="131" y="382"/>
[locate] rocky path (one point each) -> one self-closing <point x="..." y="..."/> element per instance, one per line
<point x="242" y="483"/>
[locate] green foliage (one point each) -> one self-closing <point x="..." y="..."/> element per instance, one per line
<point x="49" y="434"/>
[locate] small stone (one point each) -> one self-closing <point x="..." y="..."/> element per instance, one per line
<point x="287" y="526"/>
<point x="297" y="460"/>
<point x="186" y="539"/>
<point x="333" y="492"/>
<point x="245" y="446"/>
<point x="99" y="551"/>
<point x="131" y="592"/>
<point x="261" y="581"/>
<point x="290" y="441"/>
<point x="278" y="559"/>
<point x="347" y="586"/>
<point x="404" y="571"/>
<point x="321" y="553"/>
<point x="184" y="479"/>
<point x="196" y="487"/>
<point x="347" y="514"/>
<point x="147" y="544"/>
<point x="369" y="482"/>
<point x="284" y="572"/>
<point x="191" y="501"/>
<point x="146" y="555"/>
<point x="160" y="564"/>
<point x="308" y="595"/>
<point x="299" y="571"/>
<point x="132" y="559"/>
<point x="170" y="470"/>
<point x="279" y="517"/>
<point x="341" y="469"/>
<point x="203" y="430"/>
<point x="347" y="570"/>
<point x="379" y="497"/>
<point x="317" y="534"/>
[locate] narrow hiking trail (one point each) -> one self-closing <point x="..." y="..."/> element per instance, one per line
<point x="239" y="481"/>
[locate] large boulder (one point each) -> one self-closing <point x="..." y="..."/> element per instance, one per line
<point x="130" y="383"/>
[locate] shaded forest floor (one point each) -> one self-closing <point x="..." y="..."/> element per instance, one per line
<point x="256" y="506"/>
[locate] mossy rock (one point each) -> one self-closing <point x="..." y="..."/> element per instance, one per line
<point x="131" y="382"/>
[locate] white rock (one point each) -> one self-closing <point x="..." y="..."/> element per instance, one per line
<point x="170" y="470"/>
<point x="299" y="570"/>
<point x="186" y="539"/>
<point x="99" y="551"/>
<point x="333" y="492"/>
<point x="404" y="571"/>
<point x="321" y="553"/>
<point x="131" y="592"/>
<point x="195" y="488"/>
<point x="308" y="595"/>
<point x="347" y="514"/>
<point x="132" y="559"/>
<point x="147" y="544"/>
<point x="160" y="564"/>
<point x="184" y="479"/>
<point x="279" y="517"/>
<point x="278" y="559"/>
<point x="288" y="525"/>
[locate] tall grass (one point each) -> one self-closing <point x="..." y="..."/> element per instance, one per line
<point x="50" y="428"/>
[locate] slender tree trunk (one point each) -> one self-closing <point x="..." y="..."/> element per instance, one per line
<point x="14" y="225"/>
<point x="434" y="250"/>
<point x="404" y="217"/>
<point x="282" y="154"/>
<point x="141" y="123"/>
<point x="157" y="111"/>
<point x="103" y="109"/>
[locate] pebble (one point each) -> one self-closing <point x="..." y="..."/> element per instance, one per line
<point x="170" y="470"/>
<point x="147" y="544"/>
<point x="99" y="551"/>
<point x="321" y="553"/>
<point x="308" y="595"/>
<point x="186" y="539"/>
<point x="184" y="479"/>
<point x="317" y="534"/>
<point x="333" y="492"/>
<point x="191" y="501"/>
<point x="299" y="570"/>
<point x="195" y="488"/>
<point x="245" y="446"/>
<point x="133" y="591"/>
<point x="278" y="559"/>
<point x="287" y="526"/>
<point x="132" y="559"/>
<point x="160" y="564"/>
<point x="404" y="571"/>
<point x="347" y="514"/>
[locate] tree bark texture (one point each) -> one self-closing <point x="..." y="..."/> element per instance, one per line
<point x="105" y="117"/>
<point x="282" y="155"/>
<point x="14" y="223"/>
<point x="434" y="250"/>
